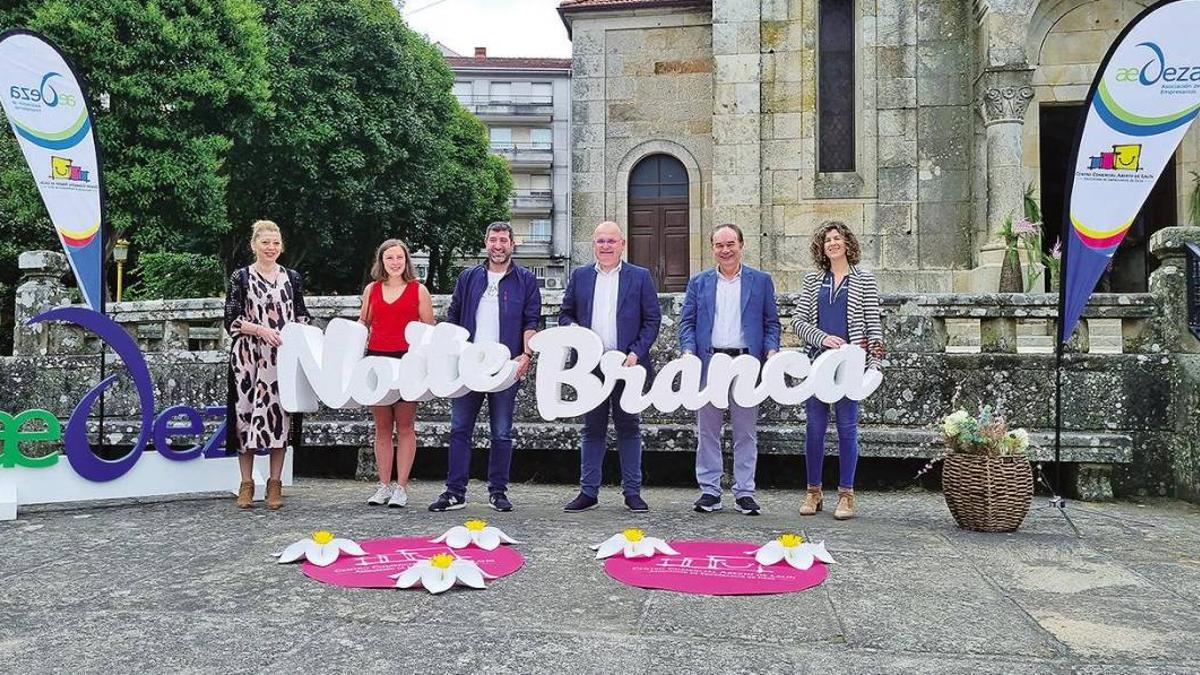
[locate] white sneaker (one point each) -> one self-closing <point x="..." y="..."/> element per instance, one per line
<point x="382" y="494"/>
<point x="399" y="497"/>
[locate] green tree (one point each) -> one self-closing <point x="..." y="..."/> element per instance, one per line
<point x="169" y="274"/>
<point x="330" y="117"/>
<point x="472" y="189"/>
<point x="361" y="145"/>
<point x="174" y="85"/>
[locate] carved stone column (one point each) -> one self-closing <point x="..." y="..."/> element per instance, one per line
<point x="41" y="289"/>
<point x="1168" y="283"/>
<point x="1003" y="98"/>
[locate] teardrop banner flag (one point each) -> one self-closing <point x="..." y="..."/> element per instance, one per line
<point x="1145" y="95"/>
<point x="47" y="109"/>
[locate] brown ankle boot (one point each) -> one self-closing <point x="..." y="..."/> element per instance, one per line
<point x="812" y="501"/>
<point x="274" y="494"/>
<point x="245" y="498"/>
<point x="845" y="505"/>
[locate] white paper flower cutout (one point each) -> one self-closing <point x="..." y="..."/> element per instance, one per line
<point x="321" y="549"/>
<point x="793" y="549"/>
<point x="632" y="543"/>
<point x="474" y="532"/>
<point x="441" y="572"/>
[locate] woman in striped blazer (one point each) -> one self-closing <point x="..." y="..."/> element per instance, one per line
<point x="839" y="304"/>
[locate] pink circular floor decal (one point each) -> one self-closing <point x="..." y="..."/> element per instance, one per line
<point x="713" y="568"/>
<point x="388" y="557"/>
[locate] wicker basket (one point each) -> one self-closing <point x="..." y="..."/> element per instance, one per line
<point x="987" y="493"/>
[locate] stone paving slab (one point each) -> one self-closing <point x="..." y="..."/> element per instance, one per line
<point x="187" y="585"/>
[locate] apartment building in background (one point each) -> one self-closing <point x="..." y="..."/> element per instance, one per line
<point x="526" y="105"/>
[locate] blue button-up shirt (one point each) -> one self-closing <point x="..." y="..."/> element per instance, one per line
<point x="831" y="306"/>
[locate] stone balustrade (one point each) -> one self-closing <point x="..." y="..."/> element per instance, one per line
<point x="919" y="323"/>
<point x="1129" y="422"/>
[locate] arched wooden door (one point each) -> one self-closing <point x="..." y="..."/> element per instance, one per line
<point x="658" y="220"/>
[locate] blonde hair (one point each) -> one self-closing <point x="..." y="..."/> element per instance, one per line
<point x="261" y="227"/>
<point x="379" y="272"/>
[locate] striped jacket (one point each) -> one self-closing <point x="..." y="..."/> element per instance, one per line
<point x="862" y="314"/>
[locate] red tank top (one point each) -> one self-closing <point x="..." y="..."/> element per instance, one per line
<point x="389" y="319"/>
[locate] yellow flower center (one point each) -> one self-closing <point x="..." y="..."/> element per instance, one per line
<point x="789" y="540"/>
<point x="441" y="561"/>
<point x="634" y="534"/>
<point x="475" y="525"/>
<point x="323" y="537"/>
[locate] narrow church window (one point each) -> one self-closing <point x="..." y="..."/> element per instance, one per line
<point x="835" y="86"/>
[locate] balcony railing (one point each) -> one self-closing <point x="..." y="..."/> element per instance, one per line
<point x="524" y="153"/>
<point x="507" y="105"/>
<point x="501" y="146"/>
<point x="533" y="237"/>
<point x="532" y="200"/>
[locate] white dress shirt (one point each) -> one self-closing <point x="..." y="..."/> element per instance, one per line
<point x="727" y="323"/>
<point x="487" y="316"/>
<point x="604" y="305"/>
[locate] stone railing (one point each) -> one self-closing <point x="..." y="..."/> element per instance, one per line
<point x="1129" y="390"/>
<point x="921" y="323"/>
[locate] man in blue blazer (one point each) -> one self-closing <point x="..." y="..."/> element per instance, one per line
<point x="616" y="300"/>
<point x="728" y="309"/>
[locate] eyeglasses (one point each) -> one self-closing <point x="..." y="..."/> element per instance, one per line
<point x="607" y="242"/>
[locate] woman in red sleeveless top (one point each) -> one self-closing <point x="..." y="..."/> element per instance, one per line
<point x="389" y="303"/>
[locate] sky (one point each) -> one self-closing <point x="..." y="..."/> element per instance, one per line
<point x="505" y="27"/>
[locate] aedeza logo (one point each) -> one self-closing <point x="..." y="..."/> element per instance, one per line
<point x="44" y="93"/>
<point x="64" y="168"/>
<point x="1122" y="158"/>
<point x="1156" y="69"/>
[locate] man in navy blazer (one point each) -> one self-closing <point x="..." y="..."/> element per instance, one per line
<point x="497" y="301"/>
<point x="728" y="309"/>
<point x="616" y="300"/>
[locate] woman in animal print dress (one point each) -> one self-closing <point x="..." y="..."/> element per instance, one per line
<point x="263" y="297"/>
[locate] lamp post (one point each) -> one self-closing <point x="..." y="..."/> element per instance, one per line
<point x="120" y="254"/>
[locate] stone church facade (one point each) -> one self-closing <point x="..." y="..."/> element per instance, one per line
<point x="920" y="123"/>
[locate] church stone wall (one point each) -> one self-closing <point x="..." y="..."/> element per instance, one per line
<point x="643" y="83"/>
<point x="910" y="197"/>
<point x="733" y="94"/>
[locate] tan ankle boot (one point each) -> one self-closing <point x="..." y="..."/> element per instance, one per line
<point x="845" y="505"/>
<point x="812" y="501"/>
<point x="274" y="494"/>
<point x="245" y="498"/>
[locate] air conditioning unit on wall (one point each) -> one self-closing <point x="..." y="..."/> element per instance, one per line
<point x="553" y="282"/>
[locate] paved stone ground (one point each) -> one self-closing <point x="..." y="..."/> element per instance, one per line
<point x="186" y="585"/>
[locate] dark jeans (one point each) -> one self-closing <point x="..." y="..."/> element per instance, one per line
<point x="814" y="439"/>
<point x="463" y="412"/>
<point x="629" y="446"/>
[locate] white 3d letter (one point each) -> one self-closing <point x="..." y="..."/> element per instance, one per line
<point x="315" y="365"/>
<point x="554" y="346"/>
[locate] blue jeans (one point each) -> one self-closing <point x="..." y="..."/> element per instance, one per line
<point x="846" y="412"/>
<point x="463" y="412"/>
<point x="629" y="446"/>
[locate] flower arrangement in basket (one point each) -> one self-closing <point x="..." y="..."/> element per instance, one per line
<point x="986" y="477"/>
<point x="984" y="434"/>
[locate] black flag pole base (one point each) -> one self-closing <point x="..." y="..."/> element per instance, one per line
<point x="1059" y="503"/>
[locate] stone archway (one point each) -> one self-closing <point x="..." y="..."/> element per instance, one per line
<point x="657" y="224"/>
<point x="617" y="190"/>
